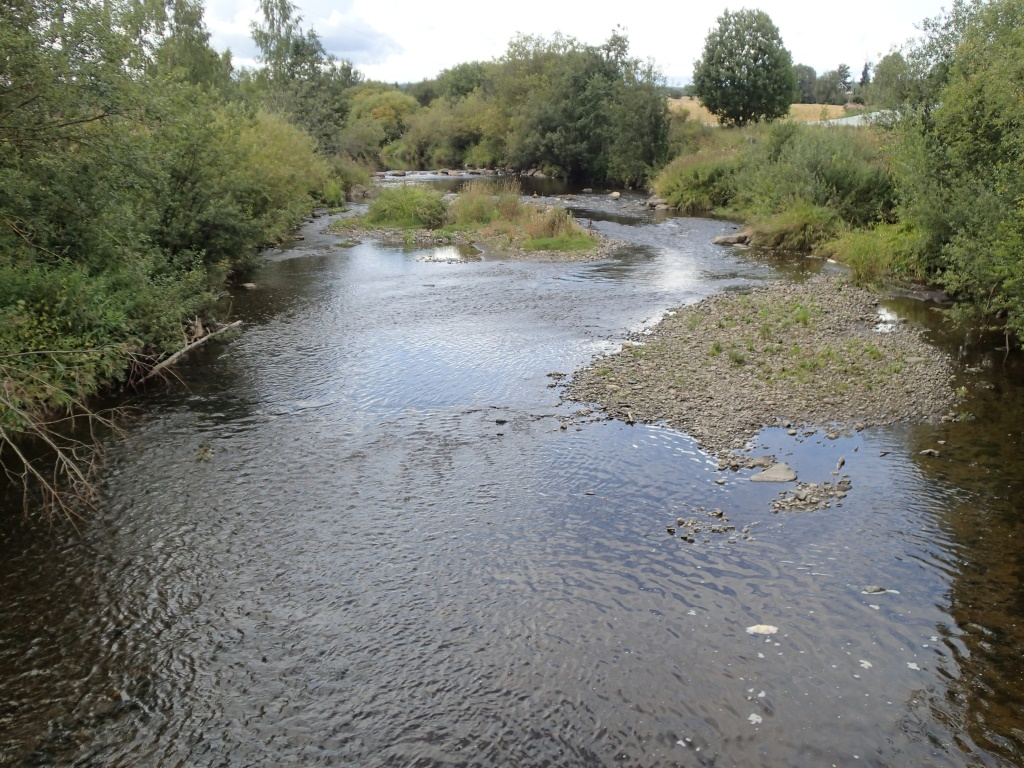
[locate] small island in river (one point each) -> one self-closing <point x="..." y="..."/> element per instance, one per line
<point x="814" y="353"/>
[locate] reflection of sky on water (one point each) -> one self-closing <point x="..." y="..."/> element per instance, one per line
<point x="887" y="320"/>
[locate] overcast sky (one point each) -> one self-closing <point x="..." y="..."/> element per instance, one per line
<point x="401" y="41"/>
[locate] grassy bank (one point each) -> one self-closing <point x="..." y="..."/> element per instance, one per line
<point x="485" y="212"/>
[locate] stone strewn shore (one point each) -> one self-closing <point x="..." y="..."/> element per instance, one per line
<point x="802" y="354"/>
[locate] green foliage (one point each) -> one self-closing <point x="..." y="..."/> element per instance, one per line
<point x="800" y="183"/>
<point x="299" y="77"/>
<point x="476" y="204"/>
<point x="461" y="80"/>
<point x="960" y="157"/>
<point x="798" y="228"/>
<point x="806" y="78"/>
<point x="408" y="206"/>
<point x="686" y="136"/>
<point x="582" y="112"/>
<point x="878" y="254"/>
<point x="829" y="88"/>
<point x="130" y="185"/>
<point x="700" y="182"/>
<point x="842" y="169"/>
<point x="744" y="74"/>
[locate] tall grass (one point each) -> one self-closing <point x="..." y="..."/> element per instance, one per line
<point x="881" y="253"/>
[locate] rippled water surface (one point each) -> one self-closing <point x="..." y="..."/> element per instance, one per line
<point x="396" y="557"/>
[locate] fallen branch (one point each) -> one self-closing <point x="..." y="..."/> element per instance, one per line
<point x="185" y="350"/>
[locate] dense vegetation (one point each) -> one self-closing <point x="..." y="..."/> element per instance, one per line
<point x="136" y="175"/>
<point x="581" y="112"/>
<point x="934" y="192"/>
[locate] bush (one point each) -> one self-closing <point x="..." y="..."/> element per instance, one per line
<point x="408" y="206"/>
<point x="837" y="168"/>
<point x="699" y="183"/>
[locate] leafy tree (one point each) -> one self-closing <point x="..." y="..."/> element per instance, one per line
<point x="299" y="77"/>
<point x="829" y="88"/>
<point x="583" y="112"/>
<point x="806" y="77"/>
<point x="843" y="70"/>
<point x="461" y="80"/>
<point x="185" y="48"/>
<point x="745" y="74"/>
<point x="893" y="84"/>
<point x="424" y="91"/>
<point x="960" y="159"/>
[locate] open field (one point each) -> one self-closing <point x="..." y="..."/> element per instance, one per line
<point x="802" y="113"/>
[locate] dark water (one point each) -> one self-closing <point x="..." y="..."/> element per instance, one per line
<point x="396" y="557"/>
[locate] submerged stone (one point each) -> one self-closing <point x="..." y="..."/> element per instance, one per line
<point x="780" y="473"/>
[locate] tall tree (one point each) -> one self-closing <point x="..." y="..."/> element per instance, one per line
<point x="186" y="49"/>
<point x="829" y="88"/>
<point x="745" y="74"/>
<point x="865" y="75"/>
<point x="805" y="80"/>
<point x="843" y="70"/>
<point x="302" y="79"/>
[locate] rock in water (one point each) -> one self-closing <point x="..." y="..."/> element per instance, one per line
<point x="780" y="473"/>
<point x="762" y="629"/>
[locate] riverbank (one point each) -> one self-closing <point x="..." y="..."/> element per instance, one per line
<point x="814" y="354"/>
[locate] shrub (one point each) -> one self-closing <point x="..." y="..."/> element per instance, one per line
<point x="699" y="183"/>
<point x="408" y="206"/>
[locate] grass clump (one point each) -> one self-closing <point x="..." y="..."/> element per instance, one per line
<point x="553" y="230"/>
<point x="799" y="228"/>
<point x="408" y="207"/>
<point x="878" y="254"/>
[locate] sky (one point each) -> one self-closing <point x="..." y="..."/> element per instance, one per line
<point x="401" y="41"/>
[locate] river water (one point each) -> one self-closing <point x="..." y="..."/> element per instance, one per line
<point x="394" y="555"/>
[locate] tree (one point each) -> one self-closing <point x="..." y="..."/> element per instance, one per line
<point x="865" y="75"/>
<point x="843" y="70"/>
<point x="300" y="78"/>
<point x="829" y="88"/>
<point x="459" y="81"/>
<point x="893" y="81"/>
<point x="959" y="157"/>
<point x="745" y="74"/>
<point x="805" y="80"/>
<point x="185" y="48"/>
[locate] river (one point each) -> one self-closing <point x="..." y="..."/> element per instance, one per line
<point x="392" y="554"/>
